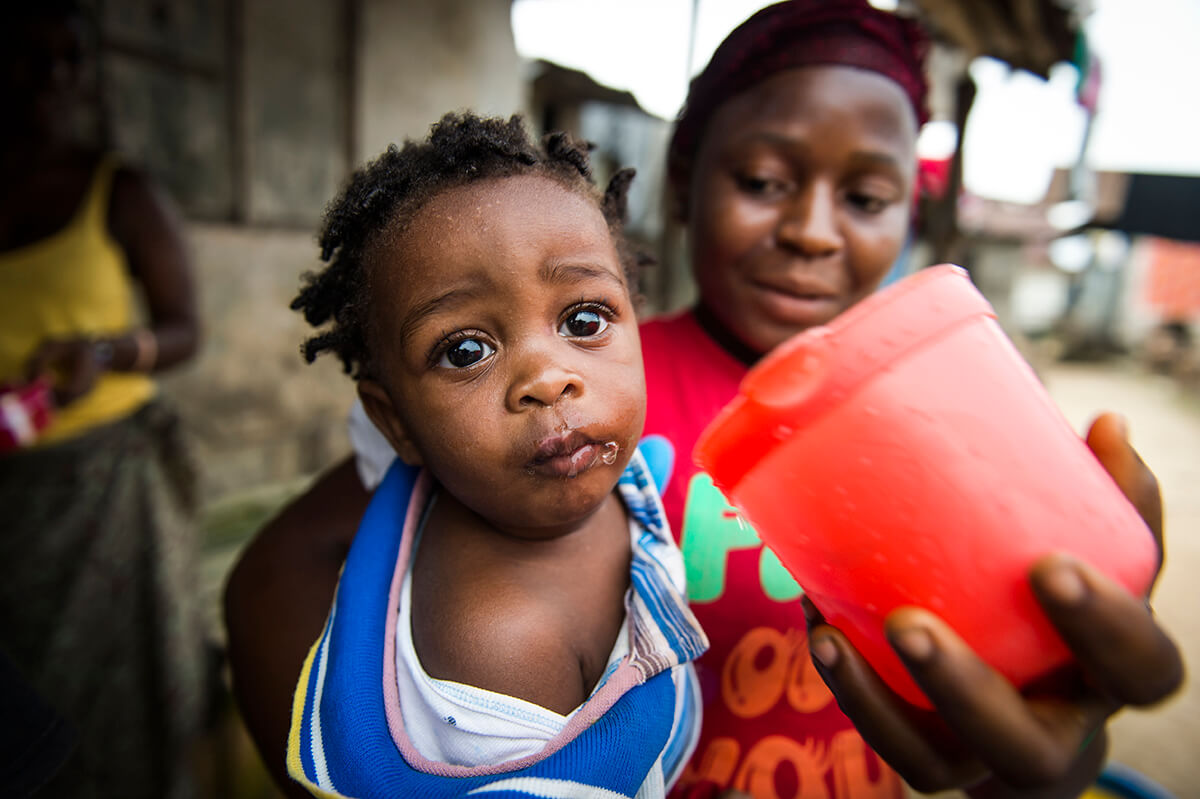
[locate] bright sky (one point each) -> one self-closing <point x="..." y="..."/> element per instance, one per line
<point x="1021" y="126"/>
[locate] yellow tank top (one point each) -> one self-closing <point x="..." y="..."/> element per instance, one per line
<point x="73" y="283"/>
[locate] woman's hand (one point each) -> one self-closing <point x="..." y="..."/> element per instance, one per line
<point x="985" y="734"/>
<point x="72" y="364"/>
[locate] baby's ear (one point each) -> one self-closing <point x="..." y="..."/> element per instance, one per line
<point x="378" y="405"/>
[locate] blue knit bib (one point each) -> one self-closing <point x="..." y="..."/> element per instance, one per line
<point x="341" y="745"/>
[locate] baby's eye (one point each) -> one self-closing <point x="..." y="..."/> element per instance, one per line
<point x="583" y="323"/>
<point x="462" y="354"/>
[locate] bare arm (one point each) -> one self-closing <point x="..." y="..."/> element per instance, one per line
<point x="277" y="599"/>
<point x="144" y="221"/>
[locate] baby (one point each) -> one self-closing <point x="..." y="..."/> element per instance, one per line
<point x="512" y="613"/>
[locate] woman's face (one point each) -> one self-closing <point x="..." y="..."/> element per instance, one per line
<point x="799" y="198"/>
<point x="41" y="72"/>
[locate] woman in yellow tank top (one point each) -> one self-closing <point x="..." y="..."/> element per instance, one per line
<point x="97" y="600"/>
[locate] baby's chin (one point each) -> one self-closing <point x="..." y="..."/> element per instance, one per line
<point x="558" y="507"/>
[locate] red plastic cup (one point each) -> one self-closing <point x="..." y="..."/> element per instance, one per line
<point x="906" y="454"/>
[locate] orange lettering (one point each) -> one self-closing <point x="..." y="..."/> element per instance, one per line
<point x="716" y="764"/>
<point x="806" y="691"/>
<point x="850" y="777"/>
<point x="764" y="666"/>
<point x="846" y="757"/>
<point x="752" y="680"/>
<point x="810" y="761"/>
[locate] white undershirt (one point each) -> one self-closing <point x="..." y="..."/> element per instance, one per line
<point x="450" y="722"/>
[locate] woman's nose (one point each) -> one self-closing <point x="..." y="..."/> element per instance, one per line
<point x="808" y="223"/>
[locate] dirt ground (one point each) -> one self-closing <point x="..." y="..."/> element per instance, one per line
<point x="1163" y="742"/>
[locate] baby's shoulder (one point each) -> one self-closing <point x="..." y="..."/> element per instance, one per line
<point x="502" y="636"/>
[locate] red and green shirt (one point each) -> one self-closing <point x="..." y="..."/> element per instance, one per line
<point x="771" y="727"/>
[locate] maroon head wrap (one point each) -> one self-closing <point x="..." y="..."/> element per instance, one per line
<point x="799" y="33"/>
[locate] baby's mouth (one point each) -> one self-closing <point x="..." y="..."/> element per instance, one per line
<point x="570" y="454"/>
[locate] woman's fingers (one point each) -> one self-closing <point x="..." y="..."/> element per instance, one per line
<point x="72" y="364"/>
<point x="1023" y="742"/>
<point x="40" y="362"/>
<point x="913" y="742"/>
<point x="1108" y="438"/>
<point x="982" y="726"/>
<point x="1112" y="634"/>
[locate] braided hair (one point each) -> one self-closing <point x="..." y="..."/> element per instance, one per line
<point x="388" y="192"/>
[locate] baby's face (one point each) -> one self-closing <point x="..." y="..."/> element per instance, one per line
<point x="505" y="339"/>
<point x="799" y="199"/>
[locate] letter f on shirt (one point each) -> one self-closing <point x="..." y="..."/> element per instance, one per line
<point x="712" y="530"/>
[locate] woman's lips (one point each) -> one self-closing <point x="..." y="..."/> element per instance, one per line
<point x="807" y="307"/>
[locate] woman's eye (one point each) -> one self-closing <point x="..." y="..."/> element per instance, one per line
<point x="583" y="323"/>
<point x="754" y="184"/>
<point x="465" y="353"/>
<point x="867" y="202"/>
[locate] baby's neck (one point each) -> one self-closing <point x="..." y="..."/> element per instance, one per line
<point x="454" y="520"/>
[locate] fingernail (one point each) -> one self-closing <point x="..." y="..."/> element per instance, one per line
<point x="824" y="650"/>
<point x="914" y="643"/>
<point x="1064" y="584"/>
<point x="1123" y="426"/>
<point x="811" y="614"/>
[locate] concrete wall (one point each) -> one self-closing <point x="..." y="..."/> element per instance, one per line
<point x="417" y="60"/>
<point x="166" y="101"/>
<point x="320" y="86"/>
<point x="296" y="120"/>
<point x="256" y="412"/>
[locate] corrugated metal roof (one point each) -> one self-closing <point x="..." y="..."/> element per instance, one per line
<point x="1028" y="34"/>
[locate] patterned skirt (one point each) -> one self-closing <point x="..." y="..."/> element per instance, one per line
<point x="99" y="604"/>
